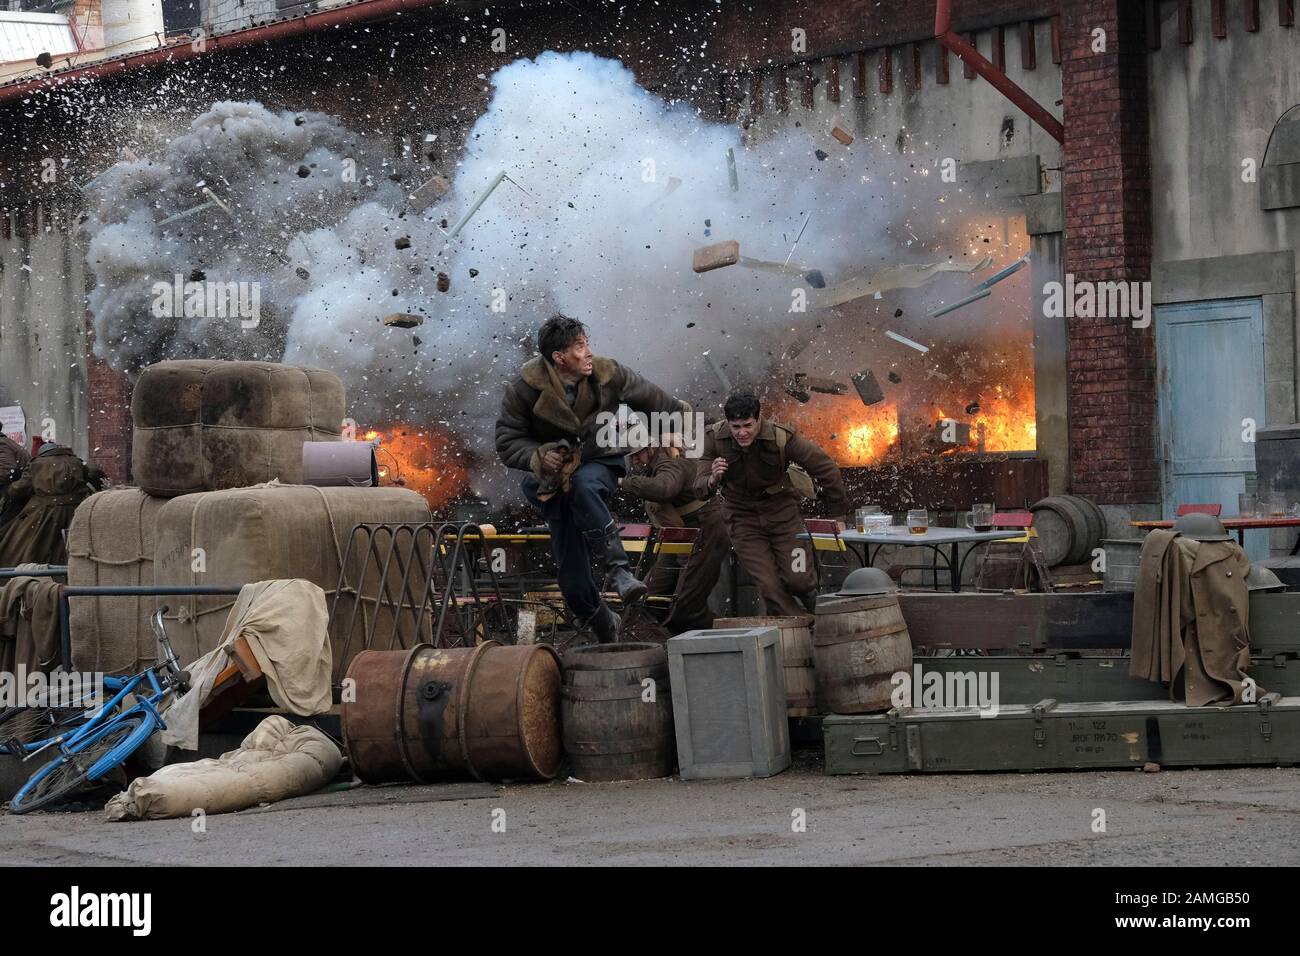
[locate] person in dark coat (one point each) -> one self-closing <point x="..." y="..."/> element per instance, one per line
<point x="664" y="479"/>
<point x="13" y="460"/>
<point x="55" y="482"/>
<point x="552" y="425"/>
<point x="748" y="456"/>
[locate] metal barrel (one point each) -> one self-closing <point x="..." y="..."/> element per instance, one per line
<point x="859" y="643"/>
<point x="617" y="712"/>
<point x="431" y="714"/>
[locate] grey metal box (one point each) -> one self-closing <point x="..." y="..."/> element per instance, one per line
<point x="1061" y="736"/>
<point x="729" y="702"/>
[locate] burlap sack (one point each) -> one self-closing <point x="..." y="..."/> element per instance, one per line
<point x="111" y="542"/>
<point x="276" y="761"/>
<point x="204" y="425"/>
<point x="281" y="531"/>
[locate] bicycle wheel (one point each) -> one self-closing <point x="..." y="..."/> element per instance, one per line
<point x="103" y="749"/>
<point x="30" y="724"/>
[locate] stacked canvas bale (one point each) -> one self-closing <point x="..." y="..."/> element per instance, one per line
<point x="206" y="425"/>
<point x="111" y="542"/>
<point x="203" y="427"/>
<point x="283" y="531"/>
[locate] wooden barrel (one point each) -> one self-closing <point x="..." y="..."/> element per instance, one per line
<point x="617" y="712"/>
<point x="431" y="714"/>
<point x="1068" y="527"/>
<point x="797" y="653"/>
<point x="1121" y="563"/>
<point x="859" y="643"/>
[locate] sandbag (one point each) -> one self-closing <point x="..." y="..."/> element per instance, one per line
<point x="279" y="531"/>
<point x="276" y="761"/>
<point x="205" y="425"/>
<point x="111" y="542"/>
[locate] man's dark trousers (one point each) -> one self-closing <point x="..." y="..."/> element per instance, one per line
<point x="583" y="508"/>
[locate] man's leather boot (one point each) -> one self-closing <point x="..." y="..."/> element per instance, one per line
<point x="608" y="548"/>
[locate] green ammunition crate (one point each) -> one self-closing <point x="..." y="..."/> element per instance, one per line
<point x="1026" y="679"/>
<point x="1051" y="735"/>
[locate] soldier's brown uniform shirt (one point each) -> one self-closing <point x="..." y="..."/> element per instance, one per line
<point x="765" y="528"/>
<point x="668" y="490"/>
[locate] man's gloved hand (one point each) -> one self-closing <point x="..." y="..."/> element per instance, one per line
<point x="552" y="461"/>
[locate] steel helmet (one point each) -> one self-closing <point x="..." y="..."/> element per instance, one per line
<point x="1201" y="527"/>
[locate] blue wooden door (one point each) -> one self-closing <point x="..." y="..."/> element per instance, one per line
<point x="1210" y="359"/>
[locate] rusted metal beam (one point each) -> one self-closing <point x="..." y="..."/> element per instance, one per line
<point x="1056" y="38"/>
<point x="886" y="70"/>
<point x="941" y="66"/>
<point x="860" y="76"/>
<point x="1286" y="13"/>
<point x="1185" y="25"/>
<point x="1250" y="15"/>
<point x="916" y="66"/>
<point x="1000" y="49"/>
<point x="833" y="79"/>
<point x="1000" y="81"/>
<point x="781" y="90"/>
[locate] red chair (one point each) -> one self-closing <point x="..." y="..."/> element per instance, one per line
<point x="1204" y="509"/>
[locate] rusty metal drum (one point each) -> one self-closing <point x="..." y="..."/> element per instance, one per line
<point x="489" y="712"/>
<point x="859" y="643"/>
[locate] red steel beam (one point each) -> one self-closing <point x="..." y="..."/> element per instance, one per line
<point x="183" y="49"/>
<point x="1004" y="84"/>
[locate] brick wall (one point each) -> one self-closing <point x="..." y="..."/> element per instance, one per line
<point x="1107" y="197"/>
<point x="110" y="415"/>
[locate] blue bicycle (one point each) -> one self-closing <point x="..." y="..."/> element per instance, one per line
<point x="91" y="744"/>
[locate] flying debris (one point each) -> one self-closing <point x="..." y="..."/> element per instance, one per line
<point x="842" y="135"/>
<point x="868" y="388"/>
<point x="983" y="289"/>
<point x="403" y="320"/>
<point x="894" y="277"/>
<point x="716" y="256"/>
<point x="906" y="341"/>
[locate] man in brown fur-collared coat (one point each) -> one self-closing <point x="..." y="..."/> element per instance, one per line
<point x="551" y="425"/>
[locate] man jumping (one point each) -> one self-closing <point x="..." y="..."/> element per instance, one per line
<point x="548" y="426"/>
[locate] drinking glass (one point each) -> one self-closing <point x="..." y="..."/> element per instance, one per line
<point x="918" y="521"/>
<point x="980" y="518"/>
<point x="1245" y="506"/>
<point x="1277" y="505"/>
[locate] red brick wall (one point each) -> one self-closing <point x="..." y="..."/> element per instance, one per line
<point x="109" y="407"/>
<point x="1107" y="197"/>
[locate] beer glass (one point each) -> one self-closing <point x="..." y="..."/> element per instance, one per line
<point x="918" y="521"/>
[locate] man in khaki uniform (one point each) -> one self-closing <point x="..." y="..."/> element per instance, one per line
<point x="749" y="456"/>
<point x="665" y="481"/>
<point x="13" y="461"/>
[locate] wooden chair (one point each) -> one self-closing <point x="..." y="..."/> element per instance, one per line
<point x="1204" y="509"/>
<point x="234" y="685"/>
<point x="834" y="545"/>
<point x="679" y="544"/>
<point x="1006" y="563"/>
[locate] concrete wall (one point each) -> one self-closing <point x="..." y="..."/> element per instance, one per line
<point x="42" y="324"/>
<point x="1214" y="104"/>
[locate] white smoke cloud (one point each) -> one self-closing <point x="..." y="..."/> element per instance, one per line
<point x="587" y="225"/>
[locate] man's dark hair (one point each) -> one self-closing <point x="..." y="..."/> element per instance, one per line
<point x="741" y="404"/>
<point x="557" y="334"/>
